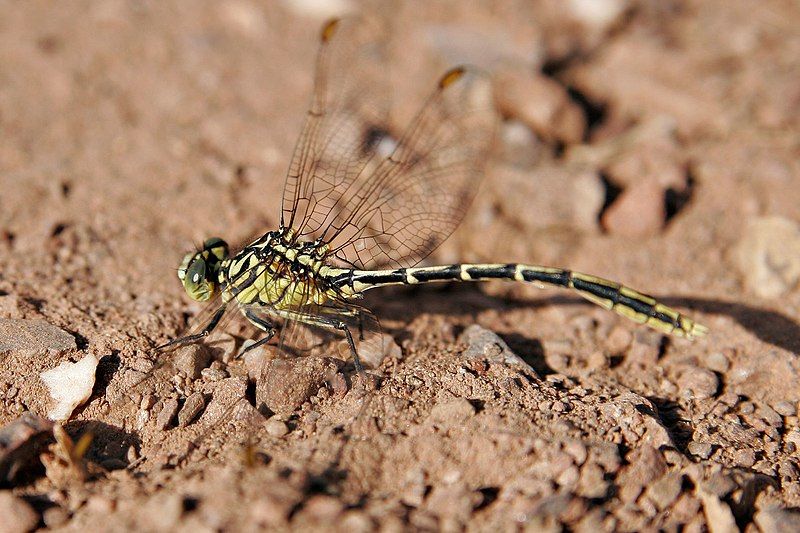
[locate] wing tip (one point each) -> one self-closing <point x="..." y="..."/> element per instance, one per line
<point x="452" y="76"/>
<point x="329" y="29"/>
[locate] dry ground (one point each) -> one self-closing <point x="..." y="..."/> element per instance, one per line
<point x="653" y="142"/>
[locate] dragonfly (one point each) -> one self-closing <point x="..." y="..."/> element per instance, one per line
<point x="358" y="215"/>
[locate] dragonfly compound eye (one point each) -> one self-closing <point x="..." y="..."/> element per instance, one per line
<point x="194" y="274"/>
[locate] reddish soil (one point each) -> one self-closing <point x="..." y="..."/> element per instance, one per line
<point x="655" y="143"/>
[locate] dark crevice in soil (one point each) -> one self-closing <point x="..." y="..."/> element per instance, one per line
<point x="612" y="192"/>
<point x="663" y="346"/>
<point x="595" y="112"/>
<point x="677" y="199"/>
<point x="489" y="496"/>
<point x="669" y="414"/>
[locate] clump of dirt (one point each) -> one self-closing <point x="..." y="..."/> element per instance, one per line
<point x="651" y="142"/>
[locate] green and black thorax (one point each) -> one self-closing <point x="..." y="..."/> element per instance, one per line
<point x="275" y="270"/>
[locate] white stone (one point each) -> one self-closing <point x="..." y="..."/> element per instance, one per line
<point x="70" y="384"/>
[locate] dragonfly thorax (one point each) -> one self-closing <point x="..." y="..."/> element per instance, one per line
<point x="199" y="270"/>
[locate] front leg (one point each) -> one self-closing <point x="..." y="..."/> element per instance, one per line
<point x="262" y="324"/>
<point x="197" y="336"/>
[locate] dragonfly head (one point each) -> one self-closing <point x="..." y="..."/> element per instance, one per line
<point x="199" y="270"/>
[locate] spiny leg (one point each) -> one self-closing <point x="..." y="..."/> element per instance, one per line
<point x="197" y="336"/>
<point x="263" y="325"/>
<point x="341" y="326"/>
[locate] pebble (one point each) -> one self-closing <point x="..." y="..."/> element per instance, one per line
<point x="54" y="517"/>
<point x="213" y="374"/>
<point x="701" y="383"/>
<point x="718" y="513"/>
<point x="191" y="408"/>
<point x="646" y="464"/>
<point x="745" y="457"/>
<point x="719" y="484"/>
<point x="666" y="490"/>
<point x="637" y="212"/>
<point x="226" y="393"/>
<point x="167" y="414"/>
<point x="286" y="384"/>
<point x="718" y="362"/>
<point x="541" y="104"/>
<point x="592" y="483"/>
<point x="17" y="516"/>
<point x="777" y="520"/>
<point x="618" y="341"/>
<point x="276" y="427"/>
<point x="33" y="337"/>
<point x="485" y="344"/>
<point x="700" y="449"/>
<point x="378" y="347"/>
<point x="785" y="408"/>
<point x="190" y="360"/>
<point x="453" y="411"/>
<point x="70" y="385"/>
<point x="768" y="256"/>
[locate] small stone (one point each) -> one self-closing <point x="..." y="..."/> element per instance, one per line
<point x="224" y="396"/>
<point x="213" y="374"/>
<point x="454" y="411"/>
<point x="768" y="256"/>
<point x="777" y="520"/>
<point x="167" y="414"/>
<point x="147" y="402"/>
<point x="133" y="454"/>
<point x="190" y="360"/>
<point x="618" y="341"/>
<point x="745" y="457"/>
<point x="638" y="211"/>
<point x="646" y="464"/>
<point x="286" y="384"/>
<point x="541" y="104"/>
<point x="276" y="427"/>
<point x="33" y="337"/>
<point x="70" y="385"/>
<point x="191" y="408"/>
<point x="17" y="515"/>
<point x="323" y="508"/>
<point x="700" y="449"/>
<point x="596" y="360"/>
<point x="718" y="362"/>
<point x="666" y="490"/>
<point x="785" y="408"/>
<point x="718" y="513"/>
<point x="376" y="348"/>
<point x="719" y="484"/>
<point x="54" y="517"/>
<point x="770" y="416"/>
<point x="485" y="344"/>
<point x="699" y="382"/>
<point x="592" y="483"/>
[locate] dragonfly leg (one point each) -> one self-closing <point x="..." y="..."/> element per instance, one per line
<point x="356" y="360"/>
<point x="262" y="324"/>
<point x="197" y="336"/>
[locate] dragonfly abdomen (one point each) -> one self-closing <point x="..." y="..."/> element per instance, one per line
<point x="611" y="295"/>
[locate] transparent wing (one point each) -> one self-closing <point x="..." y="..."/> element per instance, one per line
<point x="349" y="103"/>
<point x="384" y="211"/>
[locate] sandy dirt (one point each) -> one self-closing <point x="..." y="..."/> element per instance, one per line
<point x="655" y="143"/>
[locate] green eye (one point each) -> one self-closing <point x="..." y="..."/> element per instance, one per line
<point x="197" y="271"/>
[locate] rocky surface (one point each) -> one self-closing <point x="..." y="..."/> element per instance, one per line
<point x="651" y="142"/>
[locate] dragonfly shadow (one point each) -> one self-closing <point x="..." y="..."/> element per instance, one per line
<point x="769" y="326"/>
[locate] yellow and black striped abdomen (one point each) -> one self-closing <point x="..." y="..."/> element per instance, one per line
<point x="625" y="301"/>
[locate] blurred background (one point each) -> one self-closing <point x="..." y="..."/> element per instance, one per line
<point x="656" y="142"/>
